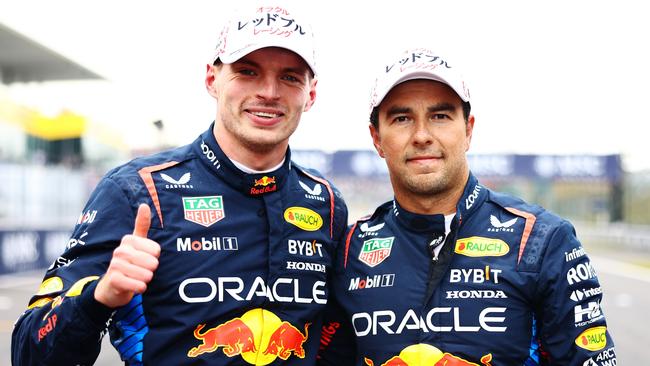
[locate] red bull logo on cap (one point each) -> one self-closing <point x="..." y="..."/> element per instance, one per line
<point x="426" y="355"/>
<point x="258" y="336"/>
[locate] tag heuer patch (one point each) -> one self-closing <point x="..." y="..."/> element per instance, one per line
<point x="203" y="210"/>
<point x="374" y="251"/>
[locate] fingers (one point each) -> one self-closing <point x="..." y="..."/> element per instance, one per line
<point x="132" y="266"/>
<point x="125" y="287"/>
<point x="141" y="244"/>
<point x="142" y="221"/>
<point x="139" y="258"/>
<point x="138" y="274"/>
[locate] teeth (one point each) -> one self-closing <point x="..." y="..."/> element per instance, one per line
<point x="266" y="115"/>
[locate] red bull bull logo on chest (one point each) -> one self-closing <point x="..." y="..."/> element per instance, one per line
<point x="427" y="355"/>
<point x="258" y="336"/>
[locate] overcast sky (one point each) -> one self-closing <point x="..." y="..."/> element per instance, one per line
<point x="548" y="77"/>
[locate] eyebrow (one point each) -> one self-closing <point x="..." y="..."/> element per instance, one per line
<point x="398" y="110"/>
<point x="295" y="70"/>
<point x="431" y="109"/>
<point x="441" y="107"/>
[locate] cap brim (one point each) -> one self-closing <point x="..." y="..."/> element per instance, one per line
<point x="418" y="75"/>
<point x="237" y="54"/>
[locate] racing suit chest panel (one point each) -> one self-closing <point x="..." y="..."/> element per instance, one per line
<point x="482" y="300"/>
<point x="384" y="279"/>
<point x="486" y="296"/>
<point x="224" y="252"/>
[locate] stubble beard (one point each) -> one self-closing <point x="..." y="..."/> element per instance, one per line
<point x="426" y="185"/>
<point x="437" y="183"/>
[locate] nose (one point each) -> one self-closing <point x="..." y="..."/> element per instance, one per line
<point x="269" y="89"/>
<point x="422" y="134"/>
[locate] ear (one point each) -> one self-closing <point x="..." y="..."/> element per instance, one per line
<point x="376" y="140"/>
<point x="469" y="130"/>
<point x="210" y="78"/>
<point x="312" y="94"/>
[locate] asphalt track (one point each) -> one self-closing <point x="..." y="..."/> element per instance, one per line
<point x="626" y="302"/>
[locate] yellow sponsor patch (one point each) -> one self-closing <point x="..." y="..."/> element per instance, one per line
<point x="478" y="246"/>
<point x="75" y="290"/>
<point x="303" y="218"/>
<point x="52" y="284"/>
<point x="40" y="303"/>
<point x="593" y="339"/>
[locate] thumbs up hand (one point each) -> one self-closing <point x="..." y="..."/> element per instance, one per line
<point x="132" y="265"/>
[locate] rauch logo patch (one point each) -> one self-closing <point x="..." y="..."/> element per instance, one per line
<point x="303" y="218"/>
<point x="477" y="246"/>
<point x="593" y="339"/>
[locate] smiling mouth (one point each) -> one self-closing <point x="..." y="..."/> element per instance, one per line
<point x="266" y="115"/>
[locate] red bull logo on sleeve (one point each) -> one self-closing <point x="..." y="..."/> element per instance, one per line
<point x="258" y="336"/>
<point x="426" y="355"/>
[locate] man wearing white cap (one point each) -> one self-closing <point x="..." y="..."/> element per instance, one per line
<point x="212" y="253"/>
<point x="450" y="272"/>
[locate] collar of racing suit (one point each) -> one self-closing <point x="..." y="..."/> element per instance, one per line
<point x="472" y="198"/>
<point x="418" y="222"/>
<point x="207" y="147"/>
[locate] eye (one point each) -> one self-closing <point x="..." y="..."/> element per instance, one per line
<point x="292" y="78"/>
<point x="247" y="72"/>
<point x="401" y="119"/>
<point x="440" y="116"/>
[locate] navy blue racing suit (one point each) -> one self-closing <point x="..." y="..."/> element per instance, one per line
<point x="511" y="285"/>
<point x="242" y="275"/>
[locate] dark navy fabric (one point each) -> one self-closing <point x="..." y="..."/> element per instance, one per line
<point x="242" y="274"/>
<point x="512" y="285"/>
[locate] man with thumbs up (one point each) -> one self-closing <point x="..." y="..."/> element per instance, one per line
<point x="215" y="252"/>
<point x="132" y="266"/>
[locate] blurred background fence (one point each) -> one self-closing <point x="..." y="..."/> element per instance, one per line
<point x="41" y="202"/>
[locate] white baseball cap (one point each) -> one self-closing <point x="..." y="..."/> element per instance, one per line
<point x="417" y="63"/>
<point x="265" y="26"/>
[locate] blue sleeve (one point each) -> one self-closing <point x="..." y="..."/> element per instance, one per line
<point x="338" y="342"/>
<point x="63" y="323"/>
<point x="340" y="216"/>
<point x="571" y="322"/>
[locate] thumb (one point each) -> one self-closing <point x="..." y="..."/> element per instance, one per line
<point x="142" y="221"/>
